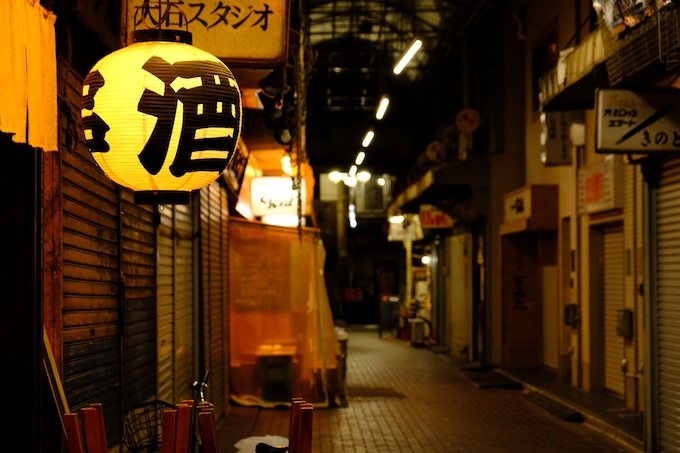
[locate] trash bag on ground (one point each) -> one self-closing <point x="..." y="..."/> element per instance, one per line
<point x="249" y="444"/>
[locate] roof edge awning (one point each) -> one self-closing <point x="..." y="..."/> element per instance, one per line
<point x="442" y="184"/>
<point x="580" y="70"/>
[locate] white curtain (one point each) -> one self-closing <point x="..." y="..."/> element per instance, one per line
<point x="28" y="68"/>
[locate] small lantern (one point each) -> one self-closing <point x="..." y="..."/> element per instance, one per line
<point x="161" y="117"/>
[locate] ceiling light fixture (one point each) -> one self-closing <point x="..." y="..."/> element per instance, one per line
<point x="363" y="176"/>
<point x="368" y="138"/>
<point x="335" y="176"/>
<point x="382" y="107"/>
<point x="396" y="218"/>
<point x="353" y="170"/>
<point x="360" y="158"/>
<point x="416" y="44"/>
<point x="381" y="181"/>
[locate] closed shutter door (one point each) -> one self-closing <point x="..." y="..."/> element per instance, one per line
<point x="214" y="225"/>
<point x="90" y="233"/>
<point x="138" y="261"/>
<point x="185" y="323"/>
<point x="175" y="315"/>
<point x="668" y="306"/>
<point x="613" y="285"/>
<point x="166" y="305"/>
<point x="549" y="306"/>
<point x="459" y="296"/>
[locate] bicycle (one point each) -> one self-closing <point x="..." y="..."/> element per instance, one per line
<point x="142" y="431"/>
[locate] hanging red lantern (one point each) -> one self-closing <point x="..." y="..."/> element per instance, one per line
<point x="161" y="117"/>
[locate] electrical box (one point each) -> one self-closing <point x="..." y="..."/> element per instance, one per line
<point x="624" y="324"/>
<point x="571" y="315"/>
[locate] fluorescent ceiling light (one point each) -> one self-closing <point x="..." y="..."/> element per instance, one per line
<point x="368" y="138"/>
<point x="360" y="158"/>
<point x="382" y="107"/>
<point x="353" y="170"/>
<point x="403" y="61"/>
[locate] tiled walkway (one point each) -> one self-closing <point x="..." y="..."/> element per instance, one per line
<point x="405" y="399"/>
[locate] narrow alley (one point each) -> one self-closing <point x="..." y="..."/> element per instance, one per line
<point x="406" y="399"/>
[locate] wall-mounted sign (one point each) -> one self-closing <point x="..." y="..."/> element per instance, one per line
<point x="638" y="122"/>
<point x="600" y="185"/>
<point x="275" y="195"/>
<point x="252" y="33"/>
<point x="431" y="217"/>
<point x="408" y="230"/>
<point x="517" y="205"/>
<point x="556" y="137"/>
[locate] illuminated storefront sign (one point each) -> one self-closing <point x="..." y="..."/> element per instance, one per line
<point x="275" y="195"/>
<point x="253" y="33"/>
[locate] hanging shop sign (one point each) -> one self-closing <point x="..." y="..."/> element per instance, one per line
<point x="252" y="33"/>
<point x="468" y="120"/>
<point x="431" y="217"/>
<point x="276" y="195"/>
<point x="517" y="204"/>
<point x="600" y="185"/>
<point x="530" y="208"/>
<point x="161" y="117"/>
<point x="555" y="138"/>
<point x="408" y="230"/>
<point x="638" y="122"/>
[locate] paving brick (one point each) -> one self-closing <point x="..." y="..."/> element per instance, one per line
<point x="436" y="410"/>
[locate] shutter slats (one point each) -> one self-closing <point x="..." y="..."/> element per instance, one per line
<point x="668" y="305"/>
<point x="614" y="350"/>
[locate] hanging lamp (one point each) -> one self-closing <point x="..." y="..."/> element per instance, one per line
<point x="160" y="116"/>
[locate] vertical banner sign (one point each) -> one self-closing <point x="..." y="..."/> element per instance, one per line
<point x="252" y="33"/>
<point x="638" y="122"/>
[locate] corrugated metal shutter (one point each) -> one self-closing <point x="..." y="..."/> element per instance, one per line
<point x="109" y="287"/>
<point x="91" y="285"/>
<point x="668" y="306"/>
<point x="459" y="291"/>
<point x="175" y="315"/>
<point x="214" y="284"/>
<point x="185" y="322"/>
<point x="613" y="286"/>
<point x="165" y="316"/>
<point x="549" y="307"/>
<point x="138" y="242"/>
